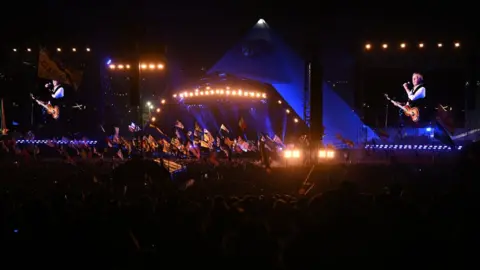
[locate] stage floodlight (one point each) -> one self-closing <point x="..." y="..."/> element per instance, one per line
<point x="74" y="49"/>
<point x="14" y="49"/>
<point x="440" y="45"/>
<point x="287" y="111"/>
<point x="149" y="103"/>
<point x="154" y="119"/>
<point x="158" y="110"/>
<point x="88" y="49"/>
<point x="163" y="101"/>
<point x="160" y="66"/>
<point x="368" y="46"/>
<point x="326" y="154"/>
<point x="151" y="66"/>
<point x="421" y="45"/>
<point x="457" y="44"/>
<point x="289" y="154"/>
<point x="127" y="66"/>
<point x="385" y="46"/>
<point x="143" y="66"/>
<point x="112" y="66"/>
<point x="279" y="102"/>
<point x="29" y="50"/>
<point x="403" y="45"/>
<point x="120" y="66"/>
<point x="295" y="120"/>
<point x="59" y="49"/>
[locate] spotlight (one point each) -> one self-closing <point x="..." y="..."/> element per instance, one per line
<point x="385" y="46"/>
<point x="368" y="46"/>
<point x="420" y="45"/>
<point x="403" y="45"/>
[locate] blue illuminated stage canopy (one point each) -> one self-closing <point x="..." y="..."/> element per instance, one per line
<point x="263" y="56"/>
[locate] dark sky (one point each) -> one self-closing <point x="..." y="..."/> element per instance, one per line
<point x="213" y="26"/>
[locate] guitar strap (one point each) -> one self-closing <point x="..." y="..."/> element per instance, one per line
<point x="417" y="88"/>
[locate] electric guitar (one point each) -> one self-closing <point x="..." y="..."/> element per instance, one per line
<point x="411" y="112"/>
<point x="54" y="111"/>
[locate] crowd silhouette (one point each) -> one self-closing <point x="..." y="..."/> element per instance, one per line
<point x="235" y="214"/>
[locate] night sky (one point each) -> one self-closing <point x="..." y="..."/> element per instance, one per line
<point x="214" y="27"/>
<point x="199" y="33"/>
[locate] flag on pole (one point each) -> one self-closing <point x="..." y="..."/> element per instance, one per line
<point x="54" y="70"/>
<point x="179" y="125"/>
<point x="242" y="124"/>
<point x="3" y="124"/>
<point x="224" y="128"/>
<point x="197" y="127"/>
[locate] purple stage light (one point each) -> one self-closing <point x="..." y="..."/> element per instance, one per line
<point x="415" y="147"/>
<point x="75" y="142"/>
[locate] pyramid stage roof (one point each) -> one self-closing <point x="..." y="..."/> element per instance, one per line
<point x="263" y="56"/>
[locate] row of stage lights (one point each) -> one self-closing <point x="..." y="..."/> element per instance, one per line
<point x="141" y="66"/>
<point x="296" y="154"/>
<point x="404" y="45"/>
<point x="58" y="50"/>
<point x="411" y="147"/>
<point x="208" y="92"/>
<point x="55" y="142"/>
<point x="221" y="92"/>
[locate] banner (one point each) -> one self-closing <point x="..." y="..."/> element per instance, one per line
<point x="54" y="70"/>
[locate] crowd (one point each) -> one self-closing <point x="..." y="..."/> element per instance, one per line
<point x="236" y="214"/>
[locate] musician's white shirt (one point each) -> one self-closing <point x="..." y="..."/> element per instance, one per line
<point x="420" y="93"/>
<point x="59" y="93"/>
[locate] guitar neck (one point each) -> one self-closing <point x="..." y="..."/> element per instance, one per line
<point x="42" y="104"/>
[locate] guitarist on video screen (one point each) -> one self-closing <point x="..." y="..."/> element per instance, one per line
<point x="416" y="94"/>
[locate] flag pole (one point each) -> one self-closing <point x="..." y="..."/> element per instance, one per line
<point x="3" y="126"/>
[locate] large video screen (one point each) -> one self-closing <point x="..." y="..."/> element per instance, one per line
<point x="440" y="87"/>
<point x="44" y="91"/>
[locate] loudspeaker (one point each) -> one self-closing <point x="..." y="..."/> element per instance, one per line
<point x="316" y="100"/>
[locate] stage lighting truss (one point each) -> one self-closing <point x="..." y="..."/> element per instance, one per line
<point x="141" y="66"/>
<point x="403" y="46"/>
<point x="224" y="93"/>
